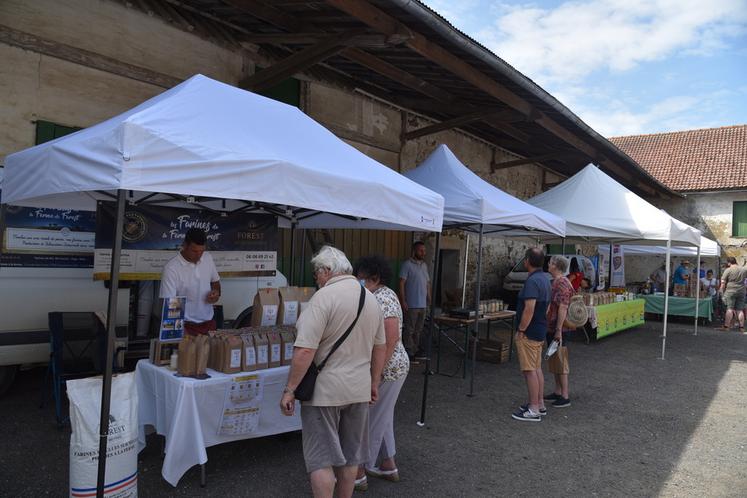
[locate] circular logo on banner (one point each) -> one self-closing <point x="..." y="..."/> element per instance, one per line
<point x="135" y="227"/>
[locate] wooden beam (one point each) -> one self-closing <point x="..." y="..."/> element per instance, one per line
<point x="83" y="57"/>
<point x="267" y="13"/>
<point x="383" y="22"/>
<point x="452" y="123"/>
<point x="299" y="61"/>
<point x="374" y="40"/>
<point x="529" y="160"/>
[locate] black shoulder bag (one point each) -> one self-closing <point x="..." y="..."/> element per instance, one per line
<point x="305" y="389"/>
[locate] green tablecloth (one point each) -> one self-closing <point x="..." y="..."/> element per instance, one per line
<point x="679" y="306"/>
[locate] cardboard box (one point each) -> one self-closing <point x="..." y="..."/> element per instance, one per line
<point x="304" y="296"/>
<point x="266" y="304"/>
<point x="276" y="347"/>
<point x="288" y="310"/>
<point x="263" y="350"/>
<point x="249" y="358"/>
<point x="288" y="337"/>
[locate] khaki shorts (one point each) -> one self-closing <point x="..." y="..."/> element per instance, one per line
<point x="734" y="300"/>
<point x="558" y="363"/>
<point x="529" y="353"/>
<point x="334" y="436"/>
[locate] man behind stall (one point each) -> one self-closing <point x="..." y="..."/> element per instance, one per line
<point x="192" y="273"/>
<point x="531" y="308"/>
<point x="414" y="297"/>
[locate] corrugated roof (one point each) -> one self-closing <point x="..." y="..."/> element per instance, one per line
<point x="692" y="160"/>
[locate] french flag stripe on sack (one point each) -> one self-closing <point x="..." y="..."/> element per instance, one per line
<point x="108" y="488"/>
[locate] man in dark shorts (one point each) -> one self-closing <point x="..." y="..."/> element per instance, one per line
<point x="531" y="308"/>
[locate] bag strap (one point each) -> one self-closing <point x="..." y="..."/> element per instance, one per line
<point x="339" y="341"/>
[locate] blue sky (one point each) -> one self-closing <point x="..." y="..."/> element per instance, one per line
<point x="625" y="67"/>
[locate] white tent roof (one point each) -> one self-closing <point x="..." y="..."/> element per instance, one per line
<point x="708" y="248"/>
<point x="597" y="208"/>
<point x="206" y="138"/>
<point x="470" y="201"/>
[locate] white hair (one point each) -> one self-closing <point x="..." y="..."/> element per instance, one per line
<point x="333" y="260"/>
<point x="560" y="263"/>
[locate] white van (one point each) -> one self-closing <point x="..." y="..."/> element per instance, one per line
<point x="514" y="281"/>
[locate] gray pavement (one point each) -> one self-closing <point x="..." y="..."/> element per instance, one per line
<point x="638" y="426"/>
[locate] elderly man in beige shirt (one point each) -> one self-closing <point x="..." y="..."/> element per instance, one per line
<point x="335" y="419"/>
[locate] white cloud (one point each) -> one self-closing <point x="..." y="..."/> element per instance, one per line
<point x="568" y="43"/>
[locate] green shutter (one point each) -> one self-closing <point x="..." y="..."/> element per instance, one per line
<point x="46" y="131"/>
<point x="739" y="220"/>
<point x="288" y="91"/>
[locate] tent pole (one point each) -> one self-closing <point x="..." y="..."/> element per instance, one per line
<point x="562" y="250"/>
<point x="464" y="280"/>
<point x="303" y="258"/>
<point x="111" y="323"/>
<point x="477" y="314"/>
<point x="609" y="274"/>
<point x="666" y="298"/>
<point x="697" y="293"/>
<point x="291" y="277"/>
<point x="431" y="326"/>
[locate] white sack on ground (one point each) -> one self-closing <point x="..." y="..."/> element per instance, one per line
<point x="121" y="455"/>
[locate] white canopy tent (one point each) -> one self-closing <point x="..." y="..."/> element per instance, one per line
<point x="208" y="139"/>
<point x="599" y="209"/>
<point x="204" y="141"/>
<point x="474" y="205"/>
<point x="708" y="248"/>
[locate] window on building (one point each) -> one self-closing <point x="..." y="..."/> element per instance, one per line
<point x="46" y="131"/>
<point x="739" y="219"/>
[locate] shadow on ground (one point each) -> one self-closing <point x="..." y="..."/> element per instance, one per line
<point x="638" y="426"/>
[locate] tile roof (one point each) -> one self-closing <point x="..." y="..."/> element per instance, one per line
<point x="706" y="159"/>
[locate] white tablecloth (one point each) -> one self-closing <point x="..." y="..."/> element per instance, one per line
<point x="188" y="412"/>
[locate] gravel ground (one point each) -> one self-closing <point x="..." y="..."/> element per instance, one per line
<point x="638" y="426"/>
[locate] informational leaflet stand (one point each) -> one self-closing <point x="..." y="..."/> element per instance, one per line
<point x="241" y="407"/>
<point x="172" y="319"/>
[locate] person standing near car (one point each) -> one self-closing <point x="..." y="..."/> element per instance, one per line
<point x="557" y="364"/>
<point x="414" y="297"/>
<point x="192" y="273"/>
<point x="531" y="308"/>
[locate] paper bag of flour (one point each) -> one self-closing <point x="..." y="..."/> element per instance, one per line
<point x="304" y="295"/>
<point x="202" y="345"/>
<point x="265" y="310"/>
<point x="276" y="347"/>
<point x="120" y="480"/>
<point x="187" y="361"/>
<point x="263" y="350"/>
<point x="288" y="310"/>
<point x="288" y="338"/>
<point x="249" y="359"/>
<point x="233" y="349"/>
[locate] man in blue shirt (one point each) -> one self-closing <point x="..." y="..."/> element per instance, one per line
<point x="531" y="308"/>
<point x="682" y="273"/>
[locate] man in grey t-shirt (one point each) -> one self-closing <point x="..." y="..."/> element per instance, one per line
<point x="415" y="297"/>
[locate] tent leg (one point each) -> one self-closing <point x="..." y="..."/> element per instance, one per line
<point x="429" y="334"/>
<point x="106" y="388"/>
<point x="302" y="277"/>
<point x="477" y="314"/>
<point x="666" y="299"/>
<point x="609" y="274"/>
<point x="697" y="293"/>
<point x="562" y="250"/>
<point x="292" y="275"/>
<point x="464" y="280"/>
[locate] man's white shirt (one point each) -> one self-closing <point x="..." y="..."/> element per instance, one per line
<point x="192" y="280"/>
